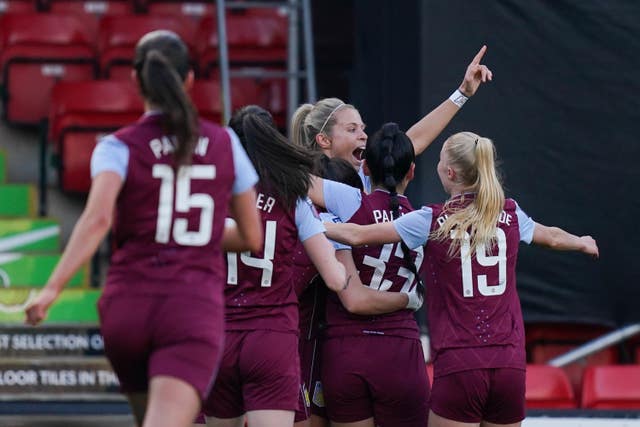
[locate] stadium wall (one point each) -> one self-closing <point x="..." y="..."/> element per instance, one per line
<point x="563" y="110"/>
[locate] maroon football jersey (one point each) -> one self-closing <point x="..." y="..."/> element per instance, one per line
<point x="473" y="308"/>
<point x="260" y="292"/>
<point x="168" y="223"/>
<point x="382" y="268"/>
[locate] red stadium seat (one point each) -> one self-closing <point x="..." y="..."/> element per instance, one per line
<point x="17" y="6"/>
<point x="193" y="10"/>
<point x="548" y="387"/>
<point x="269" y="93"/>
<point x="91" y="11"/>
<point x="548" y="340"/>
<point x="38" y="51"/>
<point x="207" y="97"/>
<point x="80" y="113"/>
<point x="118" y="35"/>
<point x="256" y="37"/>
<point x="611" y="387"/>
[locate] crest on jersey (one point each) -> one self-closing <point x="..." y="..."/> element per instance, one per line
<point x="318" y="395"/>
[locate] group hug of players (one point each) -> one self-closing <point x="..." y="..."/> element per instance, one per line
<point x="225" y="301"/>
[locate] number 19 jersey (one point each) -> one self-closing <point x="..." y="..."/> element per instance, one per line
<point x="475" y="320"/>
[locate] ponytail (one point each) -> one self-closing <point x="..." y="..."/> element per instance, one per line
<point x="162" y="65"/>
<point x="385" y="142"/>
<point x="282" y="167"/>
<point x="298" y="131"/>
<point x="473" y="158"/>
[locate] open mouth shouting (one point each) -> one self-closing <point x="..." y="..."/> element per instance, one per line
<point x="358" y="154"/>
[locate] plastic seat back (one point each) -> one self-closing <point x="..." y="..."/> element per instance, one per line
<point x="611" y="387"/>
<point x="548" y="387"/>
<point x="38" y="51"/>
<point x="119" y="34"/>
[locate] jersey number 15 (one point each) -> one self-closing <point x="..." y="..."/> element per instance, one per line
<point x="184" y="201"/>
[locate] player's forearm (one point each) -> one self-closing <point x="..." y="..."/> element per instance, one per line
<point x="557" y="239"/>
<point x="427" y="129"/>
<point x="360" y="299"/>
<point x="344" y="233"/>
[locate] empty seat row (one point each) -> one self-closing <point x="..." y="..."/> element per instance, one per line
<point x="545" y="341"/>
<point x="603" y="387"/>
<point x="38" y="50"/>
<point x="191" y="8"/>
<point x="81" y="112"/>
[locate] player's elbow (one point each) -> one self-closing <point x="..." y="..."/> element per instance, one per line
<point x="354" y="306"/>
<point x="98" y="221"/>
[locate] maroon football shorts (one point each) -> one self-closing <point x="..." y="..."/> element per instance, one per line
<point x="311" y="400"/>
<point x="259" y="370"/>
<point x="383" y="377"/>
<point x="150" y="335"/>
<point x="492" y="395"/>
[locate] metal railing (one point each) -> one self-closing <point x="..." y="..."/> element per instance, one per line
<point x="293" y="73"/>
<point x="596" y="345"/>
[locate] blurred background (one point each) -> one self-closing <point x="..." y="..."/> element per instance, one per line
<point x="563" y="110"/>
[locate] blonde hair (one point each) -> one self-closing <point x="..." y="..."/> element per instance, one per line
<point x="473" y="159"/>
<point x="309" y="120"/>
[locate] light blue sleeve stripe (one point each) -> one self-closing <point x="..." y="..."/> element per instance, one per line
<point x="307" y="220"/>
<point x="110" y="154"/>
<point x="329" y="217"/>
<point x="525" y="225"/>
<point x="340" y="199"/>
<point x="246" y="175"/>
<point x="414" y="227"/>
<point x="366" y="180"/>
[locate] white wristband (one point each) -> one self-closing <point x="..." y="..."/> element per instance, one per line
<point x="458" y="98"/>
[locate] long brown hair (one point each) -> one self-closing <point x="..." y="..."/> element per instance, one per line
<point x="282" y="167"/>
<point x="162" y="64"/>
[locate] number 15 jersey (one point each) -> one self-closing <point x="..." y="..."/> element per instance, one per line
<point x="475" y="320"/>
<point x="168" y="222"/>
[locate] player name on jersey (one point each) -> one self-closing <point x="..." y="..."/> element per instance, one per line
<point x="16" y="341"/>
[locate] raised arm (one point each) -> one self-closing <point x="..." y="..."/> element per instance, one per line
<point x="426" y="130"/>
<point x="360" y="299"/>
<point x="358" y="235"/>
<point x="91" y="228"/>
<point x="245" y="232"/>
<point x="557" y="239"/>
